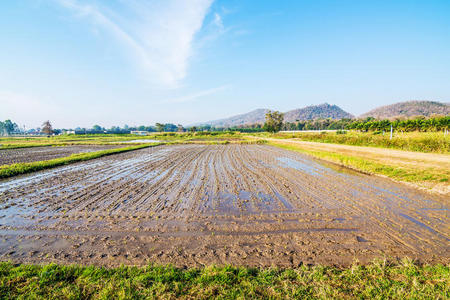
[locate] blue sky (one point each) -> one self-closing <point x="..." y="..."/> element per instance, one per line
<point x="136" y="62"/>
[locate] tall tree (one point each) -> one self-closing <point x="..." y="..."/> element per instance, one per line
<point x="180" y="128"/>
<point x="47" y="128"/>
<point x="9" y="127"/>
<point x="274" y="121"/>
<point x="97" y="128"/>
<point x="159" y="127"/>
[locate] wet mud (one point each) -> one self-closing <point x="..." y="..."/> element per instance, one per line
<point x="193" y="205"/>
<point x="23" y="155"/>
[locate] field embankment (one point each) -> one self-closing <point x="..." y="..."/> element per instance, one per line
<point x="8" y="143"/>
<point x="27" y="167"/>
<point x="377" y="280"/>
<point x="24" y="155"/>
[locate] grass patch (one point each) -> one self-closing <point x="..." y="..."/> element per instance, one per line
<point x="23" y="168"/>
<point x="19" y="146"/>
<point x="377" y="280"/>
<point x="401" y="173"/>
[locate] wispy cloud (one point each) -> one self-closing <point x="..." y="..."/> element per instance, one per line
<point x="197" y="95"/>
<point x="218" y="21"/>
<point x="159" y="34"/>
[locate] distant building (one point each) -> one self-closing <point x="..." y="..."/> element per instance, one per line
<point x="68" y="131"/>
<point x="139" y="132"/>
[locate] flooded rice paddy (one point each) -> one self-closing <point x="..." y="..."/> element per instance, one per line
<point x="23" y="155"/>
<point x="191" y="205"/>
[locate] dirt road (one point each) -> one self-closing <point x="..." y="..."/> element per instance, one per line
<point x="191" y="205"/>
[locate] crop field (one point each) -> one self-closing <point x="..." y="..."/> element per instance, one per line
<point x="108" y="139"/>
<point x="23" y="155"/>
<point x="194" y="205"/>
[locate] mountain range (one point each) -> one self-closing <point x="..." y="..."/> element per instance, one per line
<point x="328" y="111"/>
<point x="321" y="111"/>
<point x="409" y="109"/>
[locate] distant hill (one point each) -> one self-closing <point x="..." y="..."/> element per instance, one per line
<point x="321" y="111"/>
<point x="409" y="109"/>
<point x="253" y="117"/>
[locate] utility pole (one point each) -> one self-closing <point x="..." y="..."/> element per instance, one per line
<point x="391" y="133"/>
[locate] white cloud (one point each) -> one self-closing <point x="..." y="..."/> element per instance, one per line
<point x="218" y="21"/>
<point x="158" y="34"/>
<point x="197" y="95"/>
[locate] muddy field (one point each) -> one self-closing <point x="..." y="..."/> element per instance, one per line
<point x="22" y="155"/>
<point x="191" y="205"/>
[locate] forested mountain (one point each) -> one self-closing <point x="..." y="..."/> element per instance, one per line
<point x="409" y="109"/>
<point x="313" y="112"/>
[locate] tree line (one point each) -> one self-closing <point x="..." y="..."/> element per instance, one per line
<point x="274" y="122"/>
<point x="372" y="124"/>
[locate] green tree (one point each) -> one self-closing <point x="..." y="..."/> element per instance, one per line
<point x="159" y="127"/>
<point x="97" y="128"/>
<point x="9" y="127"/>
<point x="274" y="121"/>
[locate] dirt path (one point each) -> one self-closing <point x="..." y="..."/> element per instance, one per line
<point x="191" y="205"/>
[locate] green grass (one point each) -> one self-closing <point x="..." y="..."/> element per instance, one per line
<point x="378" y="280"/>
<point x="23" y="168"/>
<point x="30" y="145"/>
<point x="411" y="141"/>
<point x="412" y="174"/>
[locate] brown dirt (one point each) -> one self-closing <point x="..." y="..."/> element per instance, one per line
<point x="22" y="155"/>
<point x="192" y="205"/>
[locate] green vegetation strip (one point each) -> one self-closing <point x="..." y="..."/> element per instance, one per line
<point x="23" y="168"/>
<point x="377" y="280"/>
<point x="20" y="146"/>
<point x="412" y="174"/>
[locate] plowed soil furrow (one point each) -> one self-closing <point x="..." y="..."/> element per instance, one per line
<point x="388" y="221"/>
<point x="23" y="155"/>
<point x="200" y="204"/>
